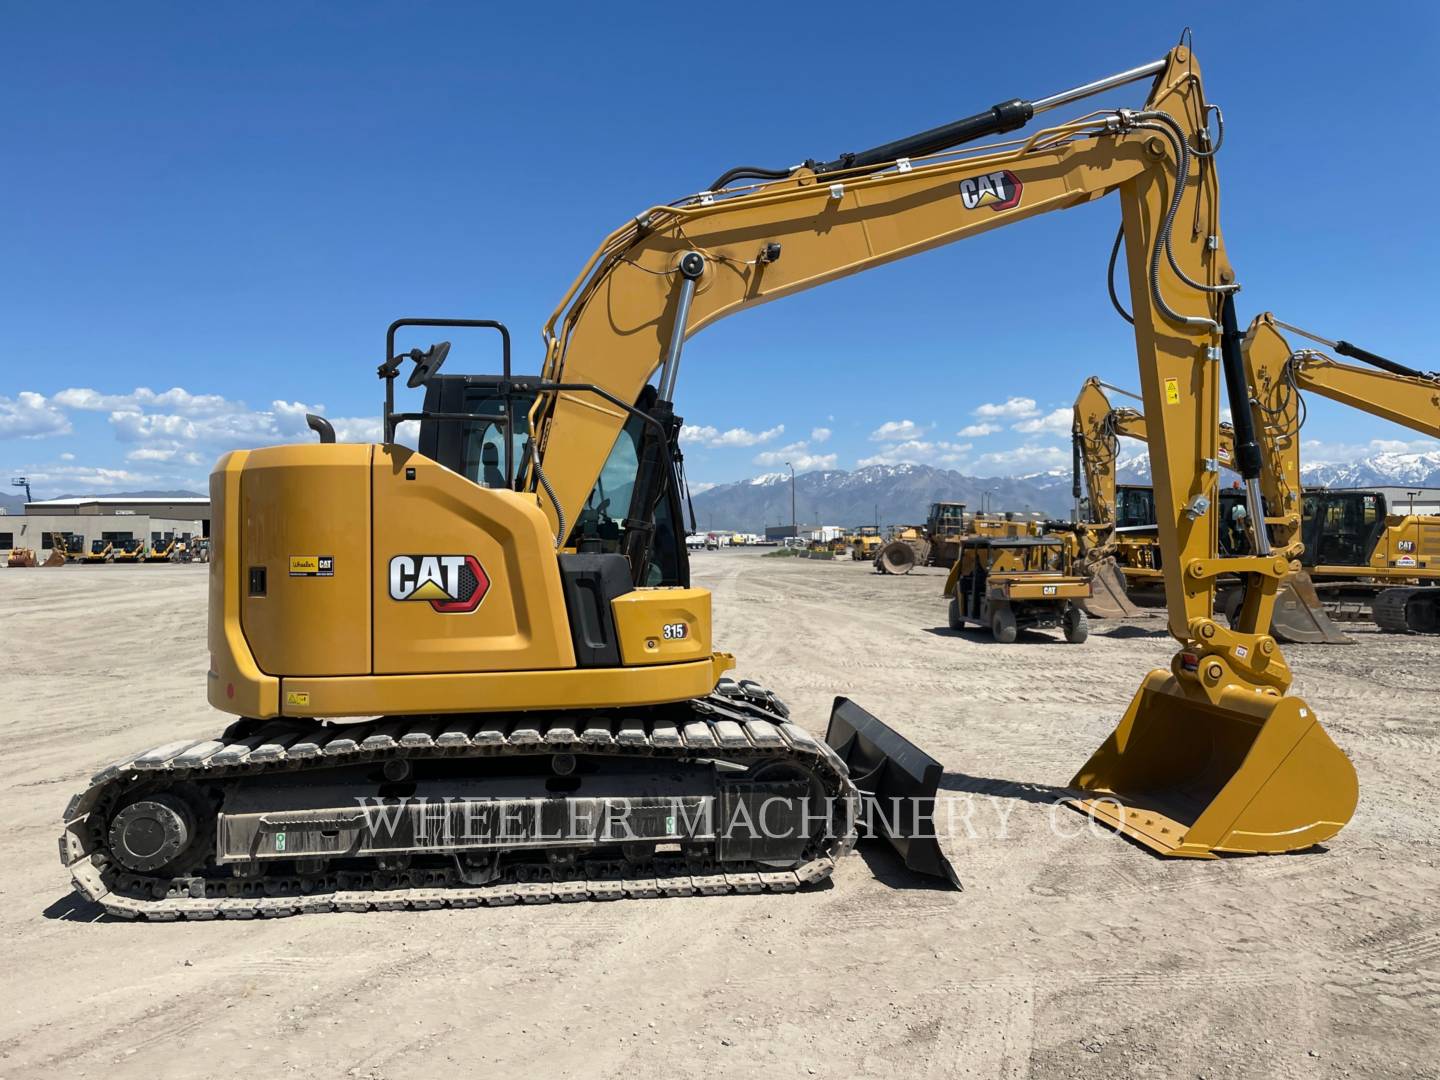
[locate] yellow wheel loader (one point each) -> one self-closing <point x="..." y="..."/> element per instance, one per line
<point x="865" y="542"/>
<point x="477" y="672"/>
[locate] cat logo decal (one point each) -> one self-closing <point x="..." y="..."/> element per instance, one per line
<point x="997" y="190"/>
<point x="453" y="584"/>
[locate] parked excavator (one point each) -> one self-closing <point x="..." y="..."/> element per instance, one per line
<point x="514" y="605"/>
<point x="1373" y="564"/>
<point x="1121" y="520"/>
<point x="1354" y="549"/>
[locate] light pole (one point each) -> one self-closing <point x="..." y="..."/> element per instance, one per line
<point x="793" y="530"/>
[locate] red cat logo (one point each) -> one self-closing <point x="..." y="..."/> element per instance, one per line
<point x="997" y="190"/>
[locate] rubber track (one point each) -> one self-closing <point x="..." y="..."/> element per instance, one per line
<point x="735" y="722"/>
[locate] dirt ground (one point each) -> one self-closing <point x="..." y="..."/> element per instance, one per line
<point x="1068" y="954"/>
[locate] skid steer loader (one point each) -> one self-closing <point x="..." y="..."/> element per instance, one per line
<point x="546" y="717"/>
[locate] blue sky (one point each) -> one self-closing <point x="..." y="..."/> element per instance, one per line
<point x="212" y="213"/>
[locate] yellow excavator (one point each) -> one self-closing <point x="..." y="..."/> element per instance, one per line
<point x="511" y="602"/>
<point x="1121" y="519"/>
<point x="1386" y="562"/>
<point x="1381" y="565"/>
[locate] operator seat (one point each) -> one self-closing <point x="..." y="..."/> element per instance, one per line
<point x="490" y="474"/>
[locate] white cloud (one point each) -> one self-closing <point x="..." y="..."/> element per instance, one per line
<point x="1054" y="423"/>
<point x="155" y="453"/>
<point x="174" y="400"/>
<point x="1027" y="458"/>
<point x="898" y="431"/>
<point x="30" y="416"/>
<point x="1014" y="408"/>
<point x="238" y="426"/>
<point x="919" y="452"/>
<point x="702" y="487"/>
<point x="799" y="455"/>
<point x="86" y="478"/>
<point x="67" y="456"/>
<point x="819" y="434"/>
<point x="709" y="436"/>
<point x="976" y="431"/>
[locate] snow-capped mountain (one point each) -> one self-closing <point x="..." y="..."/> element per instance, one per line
<point x="1420" y="469"/>
<point x="903" y="493"/>
<point x="1388" y="467"/>
<point x="889" y="493"/>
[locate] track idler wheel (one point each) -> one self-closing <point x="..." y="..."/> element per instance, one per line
<point x="151" y="832"/>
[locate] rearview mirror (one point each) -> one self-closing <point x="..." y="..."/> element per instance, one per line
<point x="427" y="364"/>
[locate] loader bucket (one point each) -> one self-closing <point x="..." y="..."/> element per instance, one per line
<point x="1299" y="616"/>
<point x="1252" y="774"/>
<point x="1108" y="596"/>
<point x="897" y="782"/>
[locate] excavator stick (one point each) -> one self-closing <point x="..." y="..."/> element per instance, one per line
<point x="1250" y="773"/>
<point x="1300" y="617"/>
<point x="1109" y="598"/>
<point x="897" y="782"/>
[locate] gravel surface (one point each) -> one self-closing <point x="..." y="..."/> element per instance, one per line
<point x="1070" y="953"/>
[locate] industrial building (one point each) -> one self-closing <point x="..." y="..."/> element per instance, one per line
<point x="87" y="519"/>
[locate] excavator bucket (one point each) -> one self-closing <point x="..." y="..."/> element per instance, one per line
<point x="54" y="559"/>
<point x="1300" y="617"/>
<point x="1251" y="774"/>
<point x="1109" y="598"/>
<point x="897" y="782"/>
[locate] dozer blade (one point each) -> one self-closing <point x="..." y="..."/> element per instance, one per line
<point x="1253" y="774"/>
<point x="1109" y="598"/>
<point x="1299" y="616"/>
<point x="897" y="781"/>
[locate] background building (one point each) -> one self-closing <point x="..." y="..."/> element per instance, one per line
<point x="97" y="518"/>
